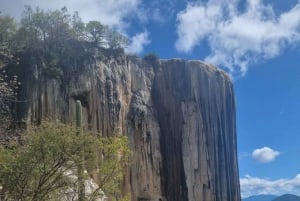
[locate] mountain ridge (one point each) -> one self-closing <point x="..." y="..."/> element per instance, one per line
<point x="269" y="197"/>
<point x="262" y="197"/>
<point x="287" y="197"/>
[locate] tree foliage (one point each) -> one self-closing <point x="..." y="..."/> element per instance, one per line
<point x="151" y="59"/>
<point x="116" y="40"/>
<point x="8" y="87"/>
<point x="44" y="166"/>
<point x="96" y="32"/>
<point x="56" y="39"/>
<point x="78" y="26"/>
<point x="57" y="28"/>
<point x="7" y="30"/>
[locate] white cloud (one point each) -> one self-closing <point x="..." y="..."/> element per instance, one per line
<point x="157" y="11"/>
<point x="236" y="38"/>
<point x="138" y="42"/>
<point x="255" y="186"/>
<point x="265" y="154"/>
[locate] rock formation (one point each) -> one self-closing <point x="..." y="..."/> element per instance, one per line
<point x="179" y="117"/>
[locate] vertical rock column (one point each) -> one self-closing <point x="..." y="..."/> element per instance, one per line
<point x="179" y="117"/>
<point x="196" y="113"/>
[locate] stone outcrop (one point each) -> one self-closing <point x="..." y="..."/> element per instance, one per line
<point x="179" y="117"/>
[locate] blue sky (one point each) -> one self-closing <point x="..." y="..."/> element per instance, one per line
<point x="256" y="41"/>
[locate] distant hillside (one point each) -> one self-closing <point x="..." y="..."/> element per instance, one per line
<point x="287" y="197"/>
<point x="260" y="198"/>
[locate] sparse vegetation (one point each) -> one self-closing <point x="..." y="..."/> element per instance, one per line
<point x="151" y="59"/>
<point x="7" y="84"/>
<point x="8" y="87"/>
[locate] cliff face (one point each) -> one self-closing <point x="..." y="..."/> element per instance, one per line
<point x="179" y="117"/>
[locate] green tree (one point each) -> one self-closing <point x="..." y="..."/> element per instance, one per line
<point x="59" y="28"/>
<point x="27" y="35"/>
<point x="40" y="22"/>
<point x="78" y="26"/>
<point x="116" y="40"/>
<point x="7" y="31"/>
<point x="96" y="32"/>
<point x="151" y="59"/>
<point x="8" y="87"/>
<point x="112" y="168"/>
<point x="44" y="166"/>
<point x="52" y="28"/>
<point x="38" y="168"/>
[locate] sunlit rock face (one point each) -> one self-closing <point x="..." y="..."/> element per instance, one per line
<point x="179" y="117"/>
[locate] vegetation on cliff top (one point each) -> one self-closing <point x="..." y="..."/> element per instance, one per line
<point x="54" y="40"/>
<point x="52" y="43"/>
<point x="53" y="29"/>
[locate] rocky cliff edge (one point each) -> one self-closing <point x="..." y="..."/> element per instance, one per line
<point x="179" y="117"/>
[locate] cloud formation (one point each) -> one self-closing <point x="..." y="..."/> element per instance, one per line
<point x="265" y="154"/>
<point x="255" y="186"/>
<point x="237" y="38"/>
<point x="138" y="42"/>
<point x="158" y="11"/>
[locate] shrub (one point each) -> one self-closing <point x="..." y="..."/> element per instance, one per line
<point x="45" y="165"/>
<point x="151" y="59"/>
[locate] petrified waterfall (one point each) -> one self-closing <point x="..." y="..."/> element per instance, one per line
<point x="179" y="116"/>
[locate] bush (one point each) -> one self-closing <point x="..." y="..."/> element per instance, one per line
<point x="45" y="165"/>
<point x="151" y="59"/>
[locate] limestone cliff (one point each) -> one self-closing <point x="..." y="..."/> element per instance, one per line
<point x="179" y="116"/>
